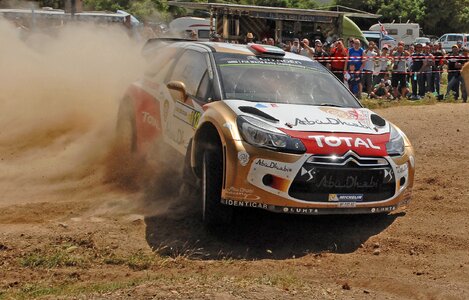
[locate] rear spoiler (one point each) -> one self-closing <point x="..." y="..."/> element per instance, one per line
<point x="155" y="43"/>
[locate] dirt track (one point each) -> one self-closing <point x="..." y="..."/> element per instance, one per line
<point x="77" y="237"/>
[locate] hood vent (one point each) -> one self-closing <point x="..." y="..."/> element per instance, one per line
<point x="257" y="112"/>
<point x="377" y="120"/>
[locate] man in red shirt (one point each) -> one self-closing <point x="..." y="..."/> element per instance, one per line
<point x="338" y="56"/>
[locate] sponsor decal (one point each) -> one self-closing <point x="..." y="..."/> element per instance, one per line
<point x="350" y="182"/>
<point x="331" y="122"/>
<point x="340" y="143"/>
<point x="254" y="60"/>
<point x="334" y="141"/>
<point x="260" y="105"/>
<point x="345" y="197"/>
<point x="351" y="114"/>
<point x="273" y="165"/>
<point x="243" y="203"/>
<point x="241" y="193"/>
<point x="347" y="204"/>
<point x="149" y="119"/>
<point x="301" y="211"/>
<point x="187" y="114"/>
<point x="383" y="209"/>
<point x="194" y="118"/>
<point x="243" y="158"/>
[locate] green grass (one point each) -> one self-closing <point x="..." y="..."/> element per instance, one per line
<point x="429" y="99"/>
<point x="58" y="258"/>
<point x="29" y="291"/>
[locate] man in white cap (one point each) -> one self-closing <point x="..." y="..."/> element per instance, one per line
<point x="249" y="37"/>
<point x="320" y="54"/>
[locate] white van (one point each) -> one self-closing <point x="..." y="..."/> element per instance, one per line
<point x="406" y="32"/>
<point x="449" y="39"/>
<point x="185" y="25"/>
<point x="380" y="39"/>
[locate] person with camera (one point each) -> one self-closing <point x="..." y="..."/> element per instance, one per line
<point x="427" y="68"/>
<point x="305" y="49"/>
<point x="381" y="91"/>
<point x="320" y="54"/>
<point x="295" y="47"/>
<point x="338" y="56"/>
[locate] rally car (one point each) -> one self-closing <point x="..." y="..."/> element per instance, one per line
<point x="261" y="128"/>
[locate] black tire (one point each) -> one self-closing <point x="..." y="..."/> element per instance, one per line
<point x="214" y="214"/>
<point x="188" y="176"/>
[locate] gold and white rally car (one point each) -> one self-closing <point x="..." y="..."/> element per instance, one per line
<point x="262" y="128"/>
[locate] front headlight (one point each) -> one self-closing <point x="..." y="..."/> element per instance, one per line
<point x="395" y="146"/>
<point x="260" y="134"/>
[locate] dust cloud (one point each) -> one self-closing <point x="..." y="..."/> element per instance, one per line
<point x="59" y="96"/>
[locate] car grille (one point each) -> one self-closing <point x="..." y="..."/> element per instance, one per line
<point x="350" y="174"/>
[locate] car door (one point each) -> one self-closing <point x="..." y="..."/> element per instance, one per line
<point x="193" y="69"/>
<point x="443" y="42"/>
<point x="148" y="96"/>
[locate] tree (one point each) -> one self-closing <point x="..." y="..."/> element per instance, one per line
<point x="435" y="17"/>
<point x="304" y="4"/>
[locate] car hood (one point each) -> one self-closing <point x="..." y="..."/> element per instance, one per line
<point x="324" y="130"/>
<point x="307" y="118"/>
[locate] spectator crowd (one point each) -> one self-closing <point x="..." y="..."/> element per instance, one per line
<point x="390" y="72"/>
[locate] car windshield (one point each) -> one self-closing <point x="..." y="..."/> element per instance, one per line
<point x="292" y="81"/>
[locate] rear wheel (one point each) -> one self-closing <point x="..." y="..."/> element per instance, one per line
<point x="126" y="138"/>
<point x="122" y="165"/>
<point x="213" y="212"/>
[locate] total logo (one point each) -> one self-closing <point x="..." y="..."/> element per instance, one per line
<point x="334" y="141"/>
<point x="149" y="119"/>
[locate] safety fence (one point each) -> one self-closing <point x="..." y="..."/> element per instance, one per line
<point x="436" y="66"/>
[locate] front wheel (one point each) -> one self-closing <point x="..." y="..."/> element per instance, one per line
<point x="213" y="212"/>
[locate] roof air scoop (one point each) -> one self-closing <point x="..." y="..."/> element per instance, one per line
<point x="266" y="50"/>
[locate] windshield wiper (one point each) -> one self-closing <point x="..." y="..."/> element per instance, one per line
<point x="329" y="104"/>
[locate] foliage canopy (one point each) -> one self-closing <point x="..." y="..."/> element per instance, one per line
<point x="435" y="17"/>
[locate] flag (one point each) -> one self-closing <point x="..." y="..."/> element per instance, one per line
<point x="382" y="29"/>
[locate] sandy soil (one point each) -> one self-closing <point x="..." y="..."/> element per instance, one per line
<point x="77" y="237"/>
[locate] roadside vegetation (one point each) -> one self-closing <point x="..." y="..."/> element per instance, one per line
<point x="435" y="17"/>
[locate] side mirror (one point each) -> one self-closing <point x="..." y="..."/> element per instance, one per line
<point x="177" y="90"/>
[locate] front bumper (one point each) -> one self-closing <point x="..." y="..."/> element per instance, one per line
<point x="278" y="182"/>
